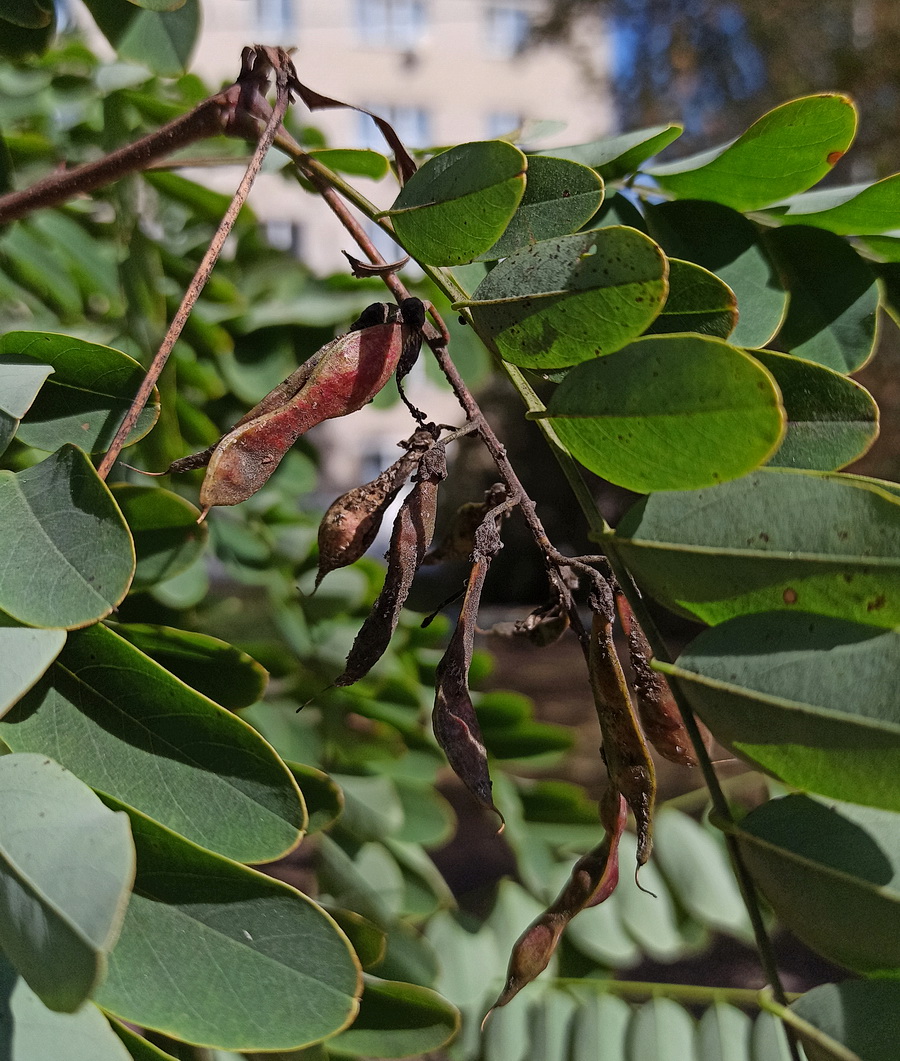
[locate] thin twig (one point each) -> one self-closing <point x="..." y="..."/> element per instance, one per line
<point x="200" y="278"/>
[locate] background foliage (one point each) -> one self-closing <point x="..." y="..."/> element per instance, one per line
<point x="692" y="327"/>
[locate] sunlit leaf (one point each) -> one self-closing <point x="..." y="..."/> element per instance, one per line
<point x="615" y="156"/>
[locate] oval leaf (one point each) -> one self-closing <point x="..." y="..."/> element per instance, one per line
<point x="725" y="242"/>
<point x="856" y="210"/>
<point x="458" y="204"/>
<point x="239" y="961"/>
<point x="669" y="413"/>
<point x="167" y="537"/>
<point x="831" y="419"/>
<point x="66" y="867"/>
<point x="741" y="547"/>
<point x="832" y="874"/>
<point x="162" y="40"/>
<point x="131" y="730"/>
<point x="20" y="380"/>
<point x="68" y="558"/>
<point x="698" y="301"/>
<point x="573" y="298"/>
<point x="832" y="313"/>
<point x="862" y="1016"/>
<point x="807" y="698"/>
<point x="25" y="653"/>
<point x="212" y="667"/>
<point x="398" y="1020"/>
<point x="86" y="398"/>
<point x="723" y="1034"/>
<point x="560" y="197"/>
<point x="32" y="1031"/>
<point x="615" y="156"/>
<point x="786" y="151"/>
<point x="661" y="1030"/>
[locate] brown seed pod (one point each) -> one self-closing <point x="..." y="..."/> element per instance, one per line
<point x="660" y="718"/>
<point x="625" y="750"/>
<point x="412" y="534"/>
<point x="352" y="522"/>
<point x="593" y="879"/>
<point x="541" y="627"/>
<point x="453" y="719"/>
<point x="459" y="541"/>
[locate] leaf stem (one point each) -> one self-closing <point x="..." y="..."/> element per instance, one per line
<point x="690" y="994"/>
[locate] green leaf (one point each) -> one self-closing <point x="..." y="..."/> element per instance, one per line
<point x="372" y="808"/>
<point x="832" y="874"/>
<point x="647" y="912"/>
<point x="741" y="547"/>
<point x="854" y="210"/>
<point x="527" y="739"/>
<point x="19" y="42"/>
<point x="831" y="419"/>
<point x="786" y="151"/>
<point x="25" y="653"/>
<point x="397" y="1020"/>
<point x="552" y="1018"/>
<point x="160" y="39"/>
<point x="138" y="1047"/>
<point x="601" y="1024"/>
<point x="559" y="198"/>
<point x="158" y="5"/>
<point x="616" y="156"/>
<point x="239" y="961"/>
<point x="68" y="554"/>
<point x="184" y="590"/>
<point x="725" y="242"/>
<point x="32" y="1032"/>
<point x="210" y="666"/>
<point x="669" y="413"/>
<point x="33" y="14"/>
<point x="323" y="797"/>
<point x="864" y="1017"/>
<point x="768" y="1041"/>
<point x="133" y="731"/>
<point x="355" y="161"/>
<point x="458" y="204"/>
<point x="723" y="1034"/>
<point x="20" y="380"/>
<point x="697" y="869"/>
<point x="661" y="1030"/>
<point x="29" y="260"/>
<point x="832" y="312"/>
<point x="167" y="537"/>
<point x="86" y="398"/>
<point x="368" y="941"/>
<point x="810" y="699"/>
<point x="573" y="298"/>
<point x="698" y="301"/>
<point x="66" y="867"/>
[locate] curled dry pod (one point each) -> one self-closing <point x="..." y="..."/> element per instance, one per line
<point x="593" y="879"/>
<point x="352" y="522"/>
<point x="411" y="536"/>
<point x="459" y="541"/>
<point x="625" y="750"/>
<point x="453" y="719"/>
<point x="541" y="627"/>
<point x="660" y="718"/>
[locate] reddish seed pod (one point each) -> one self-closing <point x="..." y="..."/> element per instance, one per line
<point x="625" y="750"/>
<point x="352" y="522"/>
<point x="412" y="534"/>
<point x="660" y="718"/>
<point x="593" y="879"/>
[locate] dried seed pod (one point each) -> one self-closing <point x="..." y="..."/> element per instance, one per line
<point x="453" y="719"/>
<point x="412" y="534"/>
<point x="352" y="522"/>
<point x="459" y="541"/>
<point x="541" y="627"/>
<point x="660" y="718"/>
<point x="593" y="879"/>
<point x="625" y="750"/>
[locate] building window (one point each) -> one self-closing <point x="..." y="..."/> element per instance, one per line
<point x="508" y="30"/>
<point x="396" y="24"/>
<point x="274" y="16"/>
<point x="502" y="123"/>
<point x="412" y="125"/>
<point x="285" y="235"/>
